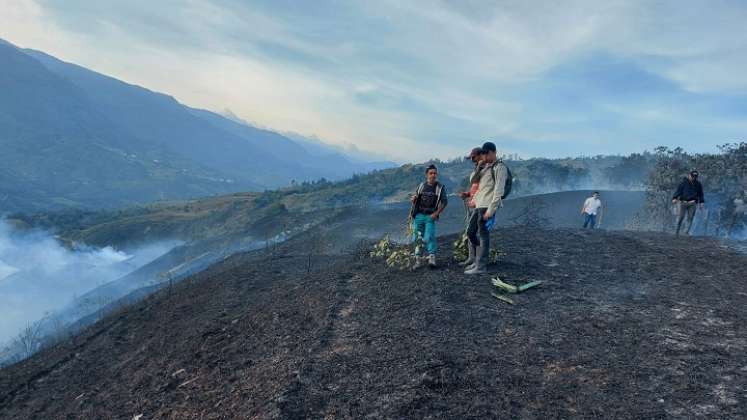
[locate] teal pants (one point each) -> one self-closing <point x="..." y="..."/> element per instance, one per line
<point x="426" y="227"/>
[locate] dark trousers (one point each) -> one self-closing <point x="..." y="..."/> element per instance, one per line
<point x="479" y="236"/>
<point x="686" y="208"/>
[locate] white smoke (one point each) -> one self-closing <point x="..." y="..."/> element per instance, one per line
<point x="39" y="275"/>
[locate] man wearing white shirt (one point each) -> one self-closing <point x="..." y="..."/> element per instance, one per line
<point x="591" y="208"/>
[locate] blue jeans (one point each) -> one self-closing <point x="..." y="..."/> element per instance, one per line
<point x="426" y="227"/>
<point x="590" y="219"/>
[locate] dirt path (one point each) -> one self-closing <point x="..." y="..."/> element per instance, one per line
<point x="626" y="326"/>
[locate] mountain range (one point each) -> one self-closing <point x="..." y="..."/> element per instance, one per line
<point x="71" y="137"/>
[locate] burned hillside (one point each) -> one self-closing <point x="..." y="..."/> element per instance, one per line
<point x="625" y="325"/>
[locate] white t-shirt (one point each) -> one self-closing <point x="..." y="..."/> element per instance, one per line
<point x="592" y="205"/>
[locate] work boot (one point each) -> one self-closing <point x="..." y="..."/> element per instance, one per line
<point x="432" y="260"/>
<point x="481" y="262"/>
<point x="470" y="259"/>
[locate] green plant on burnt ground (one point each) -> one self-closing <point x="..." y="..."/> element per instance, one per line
<point x="461" y="248"/>
<point x="494" y="255"/>
<point x="503" y="289"/>
<point x="396" y="256"/>
<point x="724" y="179"/>
<point x="461" y="251"/>
<point x="383" y="248"/>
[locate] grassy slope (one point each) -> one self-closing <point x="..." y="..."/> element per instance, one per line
<point x="239" y="213"/>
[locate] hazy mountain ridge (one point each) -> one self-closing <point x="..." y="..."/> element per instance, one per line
<point x="72" y="137"/>
<point x="60" y="151"/>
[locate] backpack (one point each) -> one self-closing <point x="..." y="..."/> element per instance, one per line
<point x="419" y="192"/>
<point x="509" y="180"/>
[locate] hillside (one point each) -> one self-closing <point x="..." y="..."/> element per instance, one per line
<point x="264" y="215"/>
<point x="72" y="137"/>
<point x="59" y="151"/>
<point x="209" y="230"/>
<point x="626" y="325"/>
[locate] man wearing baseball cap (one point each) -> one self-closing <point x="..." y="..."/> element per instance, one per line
<point x="492" y="175"/>
<point x="689" y="196"/>
<point x="476" y="156"/>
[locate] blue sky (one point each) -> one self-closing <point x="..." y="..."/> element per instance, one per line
<point x="419" y="79"/>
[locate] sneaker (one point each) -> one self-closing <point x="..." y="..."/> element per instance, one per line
<point x="432" y="260"/>
<point x="418" y="262"/>
<point x="476" y="270"/>
<point x="469" y="267"/>
<point x="467" y="263"/>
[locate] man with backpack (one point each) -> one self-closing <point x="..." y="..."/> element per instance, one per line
<point x="494" y="185"/>
<point x="689" y="196"/>
<point x="428" y="202"/>
<point x="476" y="156"/>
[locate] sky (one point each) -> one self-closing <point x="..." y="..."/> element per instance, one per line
<point x="416" y="79"/>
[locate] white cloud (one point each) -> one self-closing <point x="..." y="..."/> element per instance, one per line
<point x="373" y="73"/>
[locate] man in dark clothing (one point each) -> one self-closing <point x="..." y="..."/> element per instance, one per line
<point x="689" y="196"/>
<point x="428" y="203"/>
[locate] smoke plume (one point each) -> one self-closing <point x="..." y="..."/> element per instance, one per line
<point x="39" y="275"/>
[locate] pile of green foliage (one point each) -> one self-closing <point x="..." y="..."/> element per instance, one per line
<point x="396" y="256"/>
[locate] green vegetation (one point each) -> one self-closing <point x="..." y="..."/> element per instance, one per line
<point x="268" y="213"/>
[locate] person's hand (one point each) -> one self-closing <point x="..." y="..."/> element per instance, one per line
<point x="486" y="217"/>
<point x="413" y="198"/>
<point x="434" y="216"/>
<point x="464" y="194"/>
<point x="674" y="201"/>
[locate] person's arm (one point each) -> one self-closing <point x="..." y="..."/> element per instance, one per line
<point x="583" y="206"/>
<point x="475" y="175"/>
<point x="467" y="194"/>
<point x="701" y="198"/>
<point x="501" y="173"/>
<point x="442" y="203"/>
<point x="678" y="193"/>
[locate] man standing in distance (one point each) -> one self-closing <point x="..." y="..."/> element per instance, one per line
<point x="492" y="175"/>
<point x="689" y="196"/>
<point x="591" y="209"/>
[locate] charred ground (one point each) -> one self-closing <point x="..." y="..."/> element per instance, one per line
<point x="626" y="325"/>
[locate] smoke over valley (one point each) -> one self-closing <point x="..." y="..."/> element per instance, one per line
<point x="39" y="275"/>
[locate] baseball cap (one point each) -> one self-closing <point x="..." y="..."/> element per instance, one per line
<point x="475" y="152"/>
<point x="488" y="147"/>
<point x="694" y="174"/>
